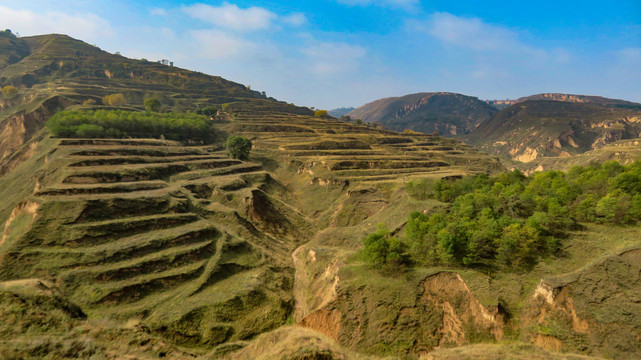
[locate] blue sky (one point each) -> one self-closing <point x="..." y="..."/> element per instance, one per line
<point x="335" y="53"/>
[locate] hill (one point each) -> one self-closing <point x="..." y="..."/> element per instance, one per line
<point x="502" y="104"/>
<point x="337" y="113"/>
<point x="52" y="72"/>
<point x="536" y="128"/>
<point x="446" y="113"/>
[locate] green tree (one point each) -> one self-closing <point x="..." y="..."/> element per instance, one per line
<point x="238" y="147"/>
<point x="152" y="104"/>
<point x="383" y="250"/>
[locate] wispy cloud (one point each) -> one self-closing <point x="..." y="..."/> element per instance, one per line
<point x="295" y="19"/>
<point x="216" y="44"/>
<point x="158" y="12"/>
<point x="409" y="5"/>
<point x="471" y="33"/>
<point x="86" y="26"/>
<point x="331" y="58"/>
<point x="230" y="16"/>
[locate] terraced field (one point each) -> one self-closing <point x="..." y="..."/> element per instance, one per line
<point x="339" y="151"/>
<point x="152" y="229"/>
<point x="196" y="246"/>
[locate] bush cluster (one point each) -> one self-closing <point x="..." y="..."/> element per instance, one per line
<point x="238" y="147"/>
<point x="121" y="124"/>
<point x="513" y="220"/>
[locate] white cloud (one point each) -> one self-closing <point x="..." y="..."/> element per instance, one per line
<point x="230" y="16"/>
<point x="158" y="12"/>
<point x="329" y="58"/>
<point x="472" y="33"/>
<point x="216" y="44"/>
<point x="409" y="5"/>
<point x="295" y="19"/>
<point x="85" y="26"/>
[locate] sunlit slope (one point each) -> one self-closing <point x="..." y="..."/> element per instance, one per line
<point x="533" y="129"/>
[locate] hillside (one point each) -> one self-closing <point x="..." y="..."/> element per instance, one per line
<point x="502" y="104"/>
<point x="51" y="72"/>
<point x="152" y="248"/>
<point x="537" y="128"/>
<point x="446" y="113"/>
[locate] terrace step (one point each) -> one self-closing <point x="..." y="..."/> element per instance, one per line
<point x="94" y="233"/>
<point x="155" y="262"/>
<point x="122" y="187"/>
<point x="134" y="289"/>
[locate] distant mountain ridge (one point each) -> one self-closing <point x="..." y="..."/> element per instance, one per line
<point x="340" y="111"/>
<point x="448" y="114"/>
<point x="572" y="98"/>
<point x="536" y="128"/>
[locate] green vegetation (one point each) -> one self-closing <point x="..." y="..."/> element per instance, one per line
<point x="152" y="104"/>
<point x="114" y="100"/>
<point x="512" y="220"/>
<point x="121" y="124"/>
<point x="208" y="111"/>
<point x="382" y="249"/>
<point x="238" y="147"/>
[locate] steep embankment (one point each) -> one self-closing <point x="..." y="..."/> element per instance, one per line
<point x="533" y="129"/>
<point x="597" y="307"/>
<point x="446" y="113"/>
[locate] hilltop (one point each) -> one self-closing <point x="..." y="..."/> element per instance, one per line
<point x="536" y="128"/>
<point x="445" y="113"/>
<point x="53" y="72"/>
<point x="573" y="98"/>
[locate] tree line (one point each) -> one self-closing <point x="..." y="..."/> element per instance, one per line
<point x="509" y="221"/>
<point x="135" y="124"/>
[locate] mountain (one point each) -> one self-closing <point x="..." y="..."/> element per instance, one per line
<point x="446" y="113"/>
<point x="52" y="72"/>
<point x="502" y="104"/>
<point x="337" y="113"/>
<point x="536" y="128"/>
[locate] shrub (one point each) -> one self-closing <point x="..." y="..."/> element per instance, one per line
<point x="9" y="91"/>
<point x="152" y="104"/>
<point x="321" y="113"/>
<point x="114" y="100"/>
<point x="89" y="102"/>
<point x="238" y="147"/>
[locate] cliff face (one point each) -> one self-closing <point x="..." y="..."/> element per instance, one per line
<point x="533" y="129"/>
<point x="446" y="113"/>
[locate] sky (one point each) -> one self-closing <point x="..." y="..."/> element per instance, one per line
<point x="342" y="53"/>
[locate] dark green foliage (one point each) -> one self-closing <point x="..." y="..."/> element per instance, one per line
<point x="513" y="220"/>
<point x="152" y="104"/>
<point x="121" y="123"/>
<point x="383" y="250"/>
<point x="208" y="111"/>
<point x="238" y="147"/>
